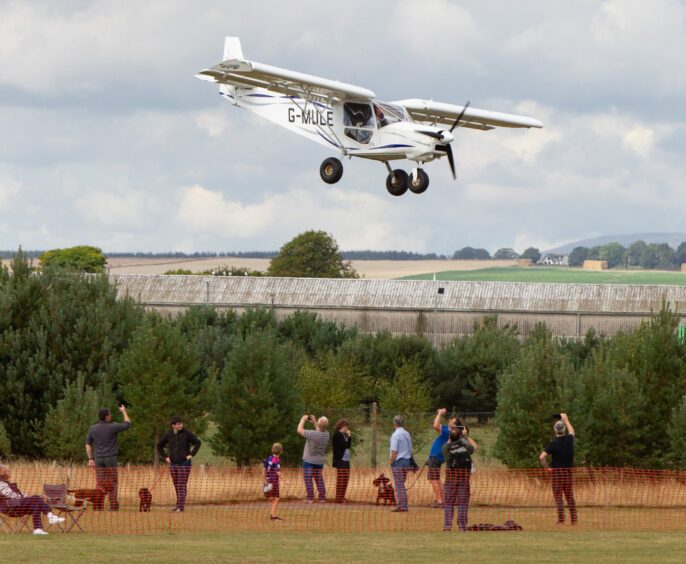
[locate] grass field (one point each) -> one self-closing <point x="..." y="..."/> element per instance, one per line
<point x="560" y="546"/>
<point x="559" y="275"/>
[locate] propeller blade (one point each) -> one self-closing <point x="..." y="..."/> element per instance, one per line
<point x="460" y="116"/>
<point x="451" y="161"/>
<point x="433" y="134"/>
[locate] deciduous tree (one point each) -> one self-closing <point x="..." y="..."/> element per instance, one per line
<point x="312" y="254"/>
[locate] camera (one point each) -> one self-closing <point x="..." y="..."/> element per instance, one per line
<point x="557" y="417"/>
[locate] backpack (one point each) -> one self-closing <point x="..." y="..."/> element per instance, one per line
<point x="458" y="455"/>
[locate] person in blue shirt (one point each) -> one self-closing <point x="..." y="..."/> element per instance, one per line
<point x="436" y="458"/>
<point x="401" y="453"/>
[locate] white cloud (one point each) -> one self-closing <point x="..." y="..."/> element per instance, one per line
<point x="214" y="123"/>
<point x="357" y="220"/>
<point x="640" y="140"/>
<point x="128" y="210"/>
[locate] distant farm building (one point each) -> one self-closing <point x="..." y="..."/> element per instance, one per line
<point x="595" y="265"/>
<point x="437" y="310"/>
<point x="551" y="259"/>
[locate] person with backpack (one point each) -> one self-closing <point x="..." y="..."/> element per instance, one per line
<point x="458" y="456"/>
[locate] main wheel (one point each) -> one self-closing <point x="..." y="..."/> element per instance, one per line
<point x="420" y="183"/>
<point x="396" y="182"/>
<point x="331" y="170"/>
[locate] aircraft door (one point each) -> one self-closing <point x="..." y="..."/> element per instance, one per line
<point x="358" y="121"/>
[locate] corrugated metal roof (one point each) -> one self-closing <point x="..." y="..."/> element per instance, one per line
<point x="398" y="294"/>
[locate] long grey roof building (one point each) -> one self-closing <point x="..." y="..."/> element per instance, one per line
<point x="436" y="309"/>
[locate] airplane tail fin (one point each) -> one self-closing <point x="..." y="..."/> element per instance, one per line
<point x="232" y="50"/>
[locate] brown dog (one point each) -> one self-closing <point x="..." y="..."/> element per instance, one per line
<point x="145" y="499"/>
<point x="95" y="496"/>
<point x="385" y="491"/>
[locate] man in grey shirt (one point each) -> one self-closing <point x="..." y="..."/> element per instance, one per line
<point x="102" y="449"/>
<point x="313" y="455"/>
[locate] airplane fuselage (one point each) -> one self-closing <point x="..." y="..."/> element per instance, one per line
<point x="326" y="125"/>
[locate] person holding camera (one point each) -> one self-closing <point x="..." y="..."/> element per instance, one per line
<point x="102" y="449"/>
<point x="458" y="453"/>
<point x="561" y="451"/>
<point x="436" y="459"/>
<point x="316" y="442"/>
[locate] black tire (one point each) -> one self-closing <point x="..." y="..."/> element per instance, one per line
<point x="420" y="184"/>
<point x="396" y="182"/>
<point x="331" y="170"/>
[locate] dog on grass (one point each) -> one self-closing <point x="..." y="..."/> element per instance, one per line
<point x="145" y="499"/>
<point x="384" y="490"/>
<point x="95" y="496"/>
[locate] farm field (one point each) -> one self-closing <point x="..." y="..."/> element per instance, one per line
<point x="370" y="269"/>
<point x="558" y="275"/>
<point x="282" y="546"/>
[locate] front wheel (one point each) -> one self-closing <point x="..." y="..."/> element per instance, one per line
<point x="331" y="170"/>
<point x="419" y="183"/>
<point x="396" y="182"/>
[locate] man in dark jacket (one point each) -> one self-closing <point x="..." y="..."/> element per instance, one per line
<point x="102" y="449"/>
<point x="179" y="442"/>
<point x="561" y="450"/>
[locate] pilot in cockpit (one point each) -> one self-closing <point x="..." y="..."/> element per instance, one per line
<point x="380" y="117"/>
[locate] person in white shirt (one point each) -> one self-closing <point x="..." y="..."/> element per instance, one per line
<point x="401" y="454"/>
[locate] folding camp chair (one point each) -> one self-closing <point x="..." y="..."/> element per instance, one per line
<point x="56" y="498"/>
<point x="14" y="523"/>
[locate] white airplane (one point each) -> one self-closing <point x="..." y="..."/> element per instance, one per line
<point x="349" y="119"/>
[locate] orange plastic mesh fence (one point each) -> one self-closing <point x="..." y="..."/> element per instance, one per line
<point x="232" y="499"/>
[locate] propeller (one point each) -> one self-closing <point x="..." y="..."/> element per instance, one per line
<point x="451" y="161"/>
<point x="460" y="116"/>
<point x="447" y="138"/>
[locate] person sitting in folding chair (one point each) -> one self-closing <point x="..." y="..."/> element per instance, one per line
<point x="16" y="504"/>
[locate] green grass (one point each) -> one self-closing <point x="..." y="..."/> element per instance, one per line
<point x="561" y="546"/>
<point x="559" y="275"/>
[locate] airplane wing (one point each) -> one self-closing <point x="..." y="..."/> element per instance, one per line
<point x="435" y="113"/>
<point x="248" y="74"/>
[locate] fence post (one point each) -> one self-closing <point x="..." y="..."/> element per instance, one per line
<point x="374" y="426"/>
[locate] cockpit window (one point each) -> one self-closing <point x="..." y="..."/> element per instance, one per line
<point x="389" y="113"/>
<point x="358" y="120"/>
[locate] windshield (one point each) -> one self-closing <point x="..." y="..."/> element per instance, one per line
<point x="389" y="113"/>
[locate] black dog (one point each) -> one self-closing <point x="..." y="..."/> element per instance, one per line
<point x="146" y="499"/>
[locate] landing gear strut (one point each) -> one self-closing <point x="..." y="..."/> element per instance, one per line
<point x="331" y="170"/>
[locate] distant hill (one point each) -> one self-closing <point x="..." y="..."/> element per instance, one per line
<point x="672" y="239"/>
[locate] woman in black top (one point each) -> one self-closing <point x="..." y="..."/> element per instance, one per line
<point x="342" y="441"/>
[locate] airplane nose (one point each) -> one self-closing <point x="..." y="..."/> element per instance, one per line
<point x="447" y="137"/>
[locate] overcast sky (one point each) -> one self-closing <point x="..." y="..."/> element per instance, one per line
<point x="107" y="139"/>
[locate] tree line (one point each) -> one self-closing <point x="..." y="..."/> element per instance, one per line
<point x="69" y="345"/>
<point x="639" y="254"/>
